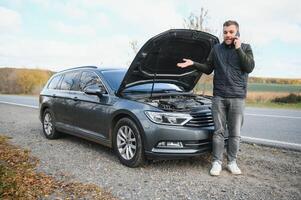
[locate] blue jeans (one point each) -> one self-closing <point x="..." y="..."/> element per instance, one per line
<point x="227" y="114"/>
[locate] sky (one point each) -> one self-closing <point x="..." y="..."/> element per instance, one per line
<point x="59" y="34"/>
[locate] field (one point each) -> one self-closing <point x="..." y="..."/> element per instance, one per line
<point x="259" y="87"/>
<point x="279" y="88"/>
<point x="262" y="94"/>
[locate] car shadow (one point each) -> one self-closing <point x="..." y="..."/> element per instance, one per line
<point x="203" y="160"/>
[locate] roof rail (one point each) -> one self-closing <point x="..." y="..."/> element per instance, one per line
<point x="93" y="67"/>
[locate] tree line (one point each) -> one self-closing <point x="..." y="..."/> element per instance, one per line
<point x="31" y="81"/>
<point x="23" y="81"/>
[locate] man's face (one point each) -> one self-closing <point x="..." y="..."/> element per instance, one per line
<point x="229" y="33"/>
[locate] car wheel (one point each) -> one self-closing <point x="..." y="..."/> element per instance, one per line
<point x="49" y="125"/>
<point x="128" y="143"/>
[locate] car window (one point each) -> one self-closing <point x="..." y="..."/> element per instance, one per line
<point x="114" y="78"/>
<point x="70" y="81"/>
<point x="54" y="82"/>
<point x="90" y="79"/>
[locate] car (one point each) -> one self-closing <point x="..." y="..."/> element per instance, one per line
<point x="145" y="112"/>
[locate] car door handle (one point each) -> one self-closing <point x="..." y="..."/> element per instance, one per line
<point x="75" y="98"/>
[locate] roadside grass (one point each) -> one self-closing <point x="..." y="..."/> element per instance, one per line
<point x="257" y="87"/>
<point x="264" y="100"/>
<point x="20" y="180"/>
<point x="274" y="87"/>
<point x="275" y="105"/>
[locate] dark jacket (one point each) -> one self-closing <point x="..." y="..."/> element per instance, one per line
<point x="231" y="68"/>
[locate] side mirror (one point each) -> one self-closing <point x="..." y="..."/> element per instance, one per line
<point x="93" y="91"/>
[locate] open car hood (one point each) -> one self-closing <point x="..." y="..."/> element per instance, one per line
<point x="157" y="60"/>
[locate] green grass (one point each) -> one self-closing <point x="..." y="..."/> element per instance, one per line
<point x="259" y="87"/>
<point x="295" y="106"/>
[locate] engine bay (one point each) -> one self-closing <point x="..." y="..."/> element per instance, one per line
<point x="179" y="103"/>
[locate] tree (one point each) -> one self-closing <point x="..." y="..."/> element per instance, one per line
<point x="134" y="48"/>
<point x="196" y="22"/>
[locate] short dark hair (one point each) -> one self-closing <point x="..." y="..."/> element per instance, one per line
<point x="231" y="22"/>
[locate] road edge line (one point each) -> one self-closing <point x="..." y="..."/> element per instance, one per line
<point x="18" y="104"/>
<point x="251" y="140"/>
<point x="272" y="143"/>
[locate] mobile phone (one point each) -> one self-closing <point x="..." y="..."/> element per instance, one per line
<point x="236" y="35"/>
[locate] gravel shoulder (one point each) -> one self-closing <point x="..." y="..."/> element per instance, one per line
<point x="268" y="173"/>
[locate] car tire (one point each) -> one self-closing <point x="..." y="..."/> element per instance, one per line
<point x="48" y="123"/>
<point x="127" y="143"/>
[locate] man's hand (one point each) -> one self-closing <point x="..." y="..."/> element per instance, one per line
<point x="237" y="42"/>
<point x="186" y="63"/>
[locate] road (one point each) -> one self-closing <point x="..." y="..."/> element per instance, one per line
<point x="273" y="127"/>
<point x="268" y="173"/>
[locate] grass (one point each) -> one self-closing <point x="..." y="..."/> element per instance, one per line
<point x="264" y="100"/>
<point x="275" y="105"/>
<point x="19" y="179"/>
<point x="273" y="87"/>
<point x="259" y="87"/>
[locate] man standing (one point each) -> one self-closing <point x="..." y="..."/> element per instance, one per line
<point x="231" y="61"/>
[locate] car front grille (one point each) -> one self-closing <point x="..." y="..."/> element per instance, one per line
<point x="201" y="119"/>
<point x="198" y="143"/>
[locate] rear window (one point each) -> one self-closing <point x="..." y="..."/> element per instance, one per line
<point x="54" y="82"/>
<point x="70" y="81"/>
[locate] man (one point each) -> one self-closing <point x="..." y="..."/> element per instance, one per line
<point x="231" y="61"/>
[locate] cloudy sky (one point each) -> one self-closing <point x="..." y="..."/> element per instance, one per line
<point x="57" y="34"/>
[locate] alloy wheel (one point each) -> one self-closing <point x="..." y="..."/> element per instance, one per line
<point x="126" y="142"/>
<point x="48" y="126"/>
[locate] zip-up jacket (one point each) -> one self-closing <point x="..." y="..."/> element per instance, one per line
<point x="231" y="68"/>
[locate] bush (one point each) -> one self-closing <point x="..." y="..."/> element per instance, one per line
<point x="291" y="98"/>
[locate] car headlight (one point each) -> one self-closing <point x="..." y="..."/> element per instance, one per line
<point x="168" y="118"/>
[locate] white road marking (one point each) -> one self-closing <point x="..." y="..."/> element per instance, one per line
<point x="276" y="116"/>
<point x="272" y="142"/>
<point x="245" y="138"/>
<point x="18" y="104"/>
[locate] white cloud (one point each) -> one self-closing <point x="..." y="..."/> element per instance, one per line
<point x="58" y="55"/>
<point x="73" y="11"/>
<point x="144" y="16"/>
<point x="287" y="69"/>
<point x="111" y="25"/>
<point x="102" y="21"/>
<point x="150" y="16"/>
<point x="79" y="30"/>
<point x="10" y="20"/>
<point x="261" y="21"/>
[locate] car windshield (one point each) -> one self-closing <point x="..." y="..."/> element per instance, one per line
<point x="158" y="87"/>
<point x="115" y="77"/>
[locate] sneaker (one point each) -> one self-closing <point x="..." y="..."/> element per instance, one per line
<point x="233" y="168"/>
<point x="216" y="169"/>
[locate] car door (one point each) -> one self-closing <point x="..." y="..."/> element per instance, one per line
<point x="92" y="110"/>
<point x="66" y="97"/>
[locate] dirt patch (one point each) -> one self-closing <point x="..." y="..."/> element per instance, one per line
<point x="19" y="179"/>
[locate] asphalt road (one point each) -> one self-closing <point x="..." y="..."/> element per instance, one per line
<point x="272" y="127"/>
<point x="268" y="173"/>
